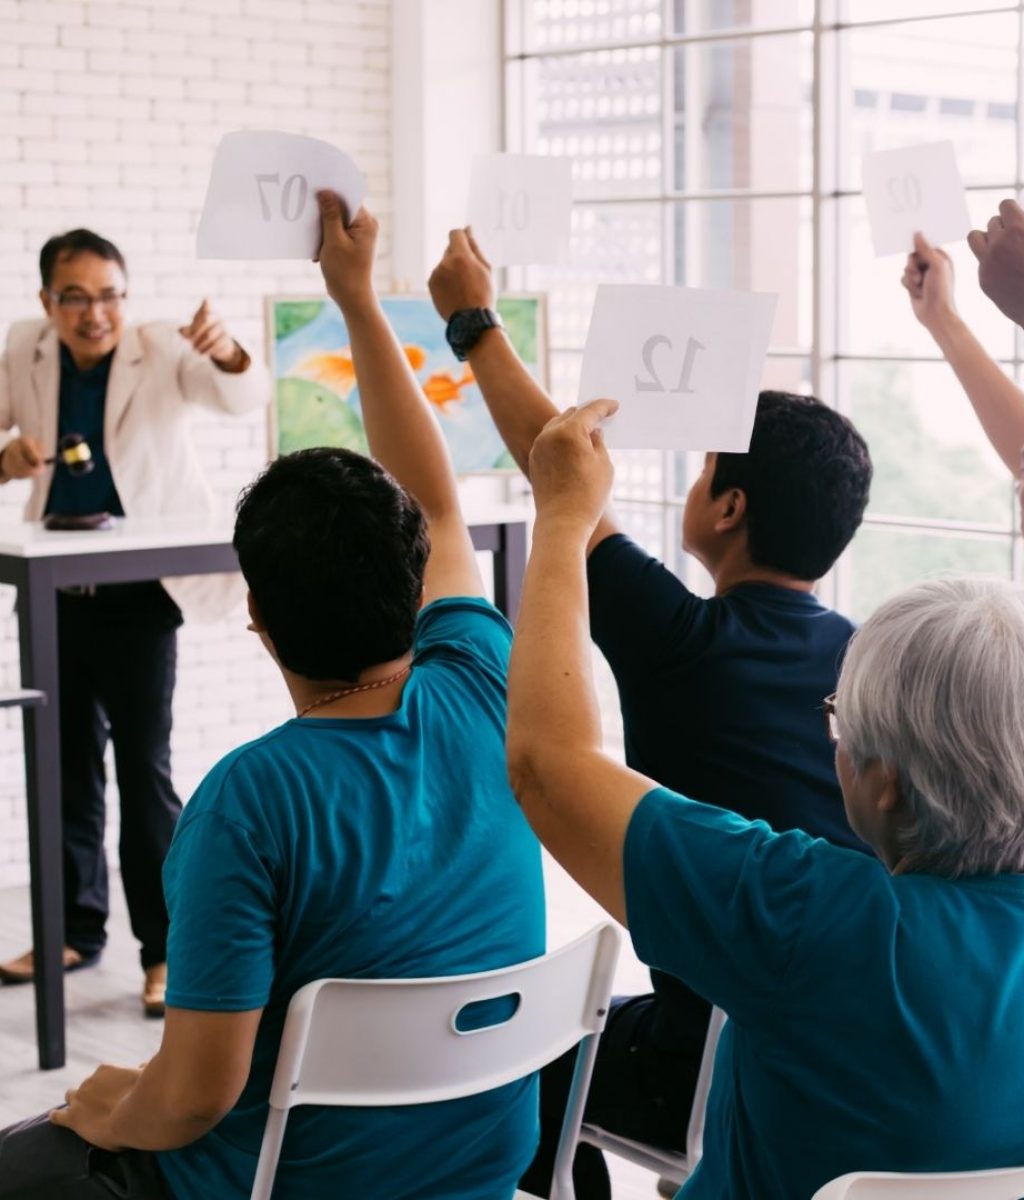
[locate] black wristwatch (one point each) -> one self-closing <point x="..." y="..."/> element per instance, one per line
<point x="466" y="326"/>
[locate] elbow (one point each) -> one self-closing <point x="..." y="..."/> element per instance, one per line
<point x="520" y="769"/>
<point x="197" y="1105"/>
<point x="526" y="775"/>
<point x="199" y="1112"/>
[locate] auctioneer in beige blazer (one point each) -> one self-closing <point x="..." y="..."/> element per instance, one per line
<point x="155" y="378"/>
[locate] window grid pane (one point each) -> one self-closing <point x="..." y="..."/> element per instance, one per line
<point x="714" y="101"/>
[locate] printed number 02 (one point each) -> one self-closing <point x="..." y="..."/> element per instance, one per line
<point x="293" y="196"/>
<point x="904" y="193"/>
<point x="654" y="383"/>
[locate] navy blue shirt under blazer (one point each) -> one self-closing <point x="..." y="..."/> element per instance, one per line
<point x="722" y="701"/>
<point x="82" y="404"/>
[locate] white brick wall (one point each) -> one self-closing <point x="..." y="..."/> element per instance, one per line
<point x="109" y="113"/>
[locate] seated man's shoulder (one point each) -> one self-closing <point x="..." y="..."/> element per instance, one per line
<point x="241" y="771"/>
<point x="463" y="626"/>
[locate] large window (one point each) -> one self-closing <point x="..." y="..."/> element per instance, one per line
<point x="718" y="143"/>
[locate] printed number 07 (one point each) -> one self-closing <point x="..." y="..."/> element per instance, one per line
<point x="653" y="383"/>
<point x="289" y="211"/>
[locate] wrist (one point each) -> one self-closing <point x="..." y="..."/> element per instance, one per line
<point x="355" y="301"/>
<point x="466" y="326"/>
<point x="946" y="328"/>
<point x="236" y="362"/>
<point x="563" y="522"/>
<point x="4" y="477"/>
<point x="486" y="342"/>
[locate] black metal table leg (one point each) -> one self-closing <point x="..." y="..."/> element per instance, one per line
<point x="37" y="632"/>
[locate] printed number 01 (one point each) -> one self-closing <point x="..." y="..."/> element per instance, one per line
<point x="653" y="383"/>
<point x="293" y="198"/>
<point x="517" y="208"/>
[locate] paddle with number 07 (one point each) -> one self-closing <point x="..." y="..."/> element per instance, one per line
<point x="261" y="199"/>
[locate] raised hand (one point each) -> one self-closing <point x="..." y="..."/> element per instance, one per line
<point x="347" y="254"/>
<point x="463" y="277"/>
<point x="928" y="277"/>
<point x="570" y="468"/>
<point x="1000" y="254"/>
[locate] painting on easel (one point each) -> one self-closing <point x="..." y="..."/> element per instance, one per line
<point x="317" y="395"/>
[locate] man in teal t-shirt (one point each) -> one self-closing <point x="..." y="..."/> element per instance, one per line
<point x="875" y="1005"/>
<point x="346" y="846"/>
<point x="374" y="835"/>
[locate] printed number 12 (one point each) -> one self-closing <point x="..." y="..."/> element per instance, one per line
<point x="654" y="383"/>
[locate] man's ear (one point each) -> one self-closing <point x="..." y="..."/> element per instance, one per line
<point x="732" y="510"/>
<point x="890" y="798"/>
<point x="256" y="623"/>
<point x="46" y="301"/>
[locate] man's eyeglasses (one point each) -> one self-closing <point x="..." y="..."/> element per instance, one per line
<point x="80" y="302"/>
<point x="831" y="721"/>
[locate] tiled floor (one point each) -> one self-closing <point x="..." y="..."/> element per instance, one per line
<point x="105" y="1022"/>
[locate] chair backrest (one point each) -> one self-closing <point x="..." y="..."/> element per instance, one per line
<point x="698" y="1113"/>
<point x="964" y="1185"/>
<point x="372" y="1042"/>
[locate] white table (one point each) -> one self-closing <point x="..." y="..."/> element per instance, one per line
<point x="37" y="563"/>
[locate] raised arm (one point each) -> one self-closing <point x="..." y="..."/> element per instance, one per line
<point x="578" y="800"/>
<point x="518" y="404"/>
<point x="996" y="399"/>
<point x="403" y="434"/>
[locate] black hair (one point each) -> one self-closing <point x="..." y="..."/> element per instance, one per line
<point x="806" y="477"/>
<point x="333" y="551"/>
<point x="73" y="243"/>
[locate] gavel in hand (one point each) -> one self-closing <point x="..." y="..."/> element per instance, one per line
<point x="73" y="452"/>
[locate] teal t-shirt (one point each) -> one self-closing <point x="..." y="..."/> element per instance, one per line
<point x="876" y="1022"/>
<point x="377" y="847"/>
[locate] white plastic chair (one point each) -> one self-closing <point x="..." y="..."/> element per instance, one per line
<point x="670" y="1165"/>
<point x="1007" y="1184"/>
<point x="372" y="1042"/>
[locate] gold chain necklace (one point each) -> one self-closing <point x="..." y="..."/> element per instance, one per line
<point x="362" y="687"/>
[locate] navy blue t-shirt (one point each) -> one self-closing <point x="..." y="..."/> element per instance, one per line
<point x="722" y="702"/>
<point x="82" y="404"/>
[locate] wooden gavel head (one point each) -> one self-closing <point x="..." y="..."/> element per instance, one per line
<point x="73" y="451"/>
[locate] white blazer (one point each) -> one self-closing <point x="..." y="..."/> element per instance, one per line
<point x="154" y="377"/>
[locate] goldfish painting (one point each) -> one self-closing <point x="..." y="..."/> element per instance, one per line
<point x="442" y="389"/>
<point x="337" y="371"/>
<point x="318" y="399"/>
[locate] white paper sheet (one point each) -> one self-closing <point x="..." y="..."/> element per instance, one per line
<point x="520" y="207"/>
<point x="684" y="364"/>
<point x="261" y="200"/>
<point x="914" y="189"/>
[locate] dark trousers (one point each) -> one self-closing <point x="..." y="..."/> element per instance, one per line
<point x="640" y="1089"/>
<point x="117" y="661"/>
<point x="40" y="1161"/>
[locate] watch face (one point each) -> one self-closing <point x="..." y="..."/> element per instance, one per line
<point x="464" y="323"/>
